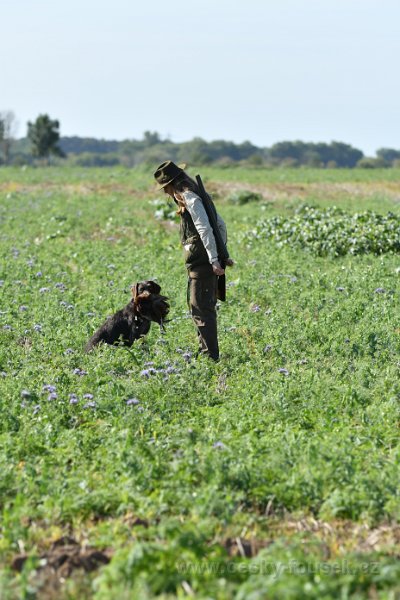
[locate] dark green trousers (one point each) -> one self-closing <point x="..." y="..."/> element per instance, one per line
<point x="202" y="300"/>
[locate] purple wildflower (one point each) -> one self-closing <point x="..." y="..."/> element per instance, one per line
<point x="44" y="289"/>
<point x="69" y="351"/>
<point x="37" y="327"/>
<point x="73" y="399"/>
<point x="26" y="394"/>
<point x="63" y="303"/>
<point x="90" y="405"/>
<point x="52" y="396"/>
<point x="380" y="290"/>
<point x="283" y="371"/>
<point x="148" y="372"/>
<point x="36" y="409"/>
<point x="49" y="388"/>
<point x="255" y="308"/>
<point x="187" y="356"/>
<point x="88" y="396"/>
<point x="132" y="401"/>
<point x="7" y="327"/>
<point x="23" y="308"/>
<point x="219" y="445"/>
<point x="39" y="274"/>
<point x="90" y="314"/>
<point x="80" y="372"/>
<point x="340" y="289"/>
<point x="60" y="286"/>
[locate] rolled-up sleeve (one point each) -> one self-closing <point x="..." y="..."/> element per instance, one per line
<point x="198" y="213"/>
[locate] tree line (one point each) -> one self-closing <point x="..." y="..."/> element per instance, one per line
<point x="44" y="144"/>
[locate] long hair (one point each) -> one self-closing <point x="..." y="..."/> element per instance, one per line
<point x="183" y="183"/>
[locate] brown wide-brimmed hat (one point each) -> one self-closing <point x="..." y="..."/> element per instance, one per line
<point x="167" y="172"/>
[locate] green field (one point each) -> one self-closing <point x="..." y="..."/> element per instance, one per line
<point x="274" y="474"/>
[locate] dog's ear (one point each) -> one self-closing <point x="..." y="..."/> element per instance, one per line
<point x="153" y="287"/>
<point x="135" y="291"/>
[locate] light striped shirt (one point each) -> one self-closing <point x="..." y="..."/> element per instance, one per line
<point x="200" y="219"/>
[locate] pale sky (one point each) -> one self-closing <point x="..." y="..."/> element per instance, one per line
<point x="259" y="70"/>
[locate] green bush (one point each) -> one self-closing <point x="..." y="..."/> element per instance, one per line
<point x="244" y="197"/>
<point x="331" y="231"/>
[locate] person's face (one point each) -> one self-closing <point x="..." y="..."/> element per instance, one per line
<point x="169" y="190"/>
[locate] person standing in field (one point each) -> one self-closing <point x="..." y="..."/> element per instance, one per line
<point x="201" y="254"/>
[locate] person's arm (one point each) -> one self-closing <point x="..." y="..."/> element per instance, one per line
<point x="200" y="219"/>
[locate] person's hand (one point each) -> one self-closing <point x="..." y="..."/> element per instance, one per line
<point x="217" y="269"/>
<point x="229" y="262"/>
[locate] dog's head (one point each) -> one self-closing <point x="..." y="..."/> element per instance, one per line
<point x="148" y="303"/>
<point x="145" y="286"/>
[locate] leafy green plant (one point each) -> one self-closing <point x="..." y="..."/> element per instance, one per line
<point x="244" y="197"/>
<point x="165" y="210"/>
<point x="331" y="231"/>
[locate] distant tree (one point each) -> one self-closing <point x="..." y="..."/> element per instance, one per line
<point x="90" y="159"/>
<point x="151" y="138"/>
<point x="78" y="145"/>
<point x="372" y="163"/>
<point x="316" y="154"/>
<point x="8" y="129"/>
<point x="255" y="160"/>
<point x="44" y="135"/>
<point x="312" y="158"/>
<point x="388" y="154"/>
<point x="284" y="150"/>
<point x="345" y="155"/>
<point x="195" y="152"/>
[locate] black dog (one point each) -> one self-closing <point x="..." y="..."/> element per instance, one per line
<point x="133" y="321"/>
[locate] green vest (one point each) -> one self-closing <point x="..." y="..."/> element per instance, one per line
<point x="195" y="253"/>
